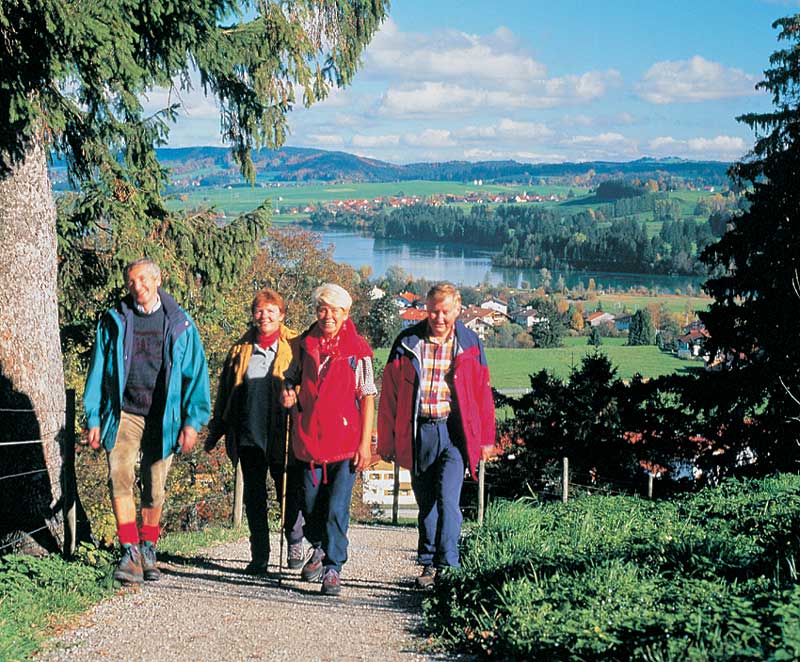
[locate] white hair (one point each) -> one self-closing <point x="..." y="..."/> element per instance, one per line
<point x="330" y="294"/>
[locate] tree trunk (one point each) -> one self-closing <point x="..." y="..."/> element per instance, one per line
<point x="32" y="400"/>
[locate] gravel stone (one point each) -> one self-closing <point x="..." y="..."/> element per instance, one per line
<point x="206" y="609"/>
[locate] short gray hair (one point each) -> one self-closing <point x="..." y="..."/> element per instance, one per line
<point x="443" y="290"/>
<point x="143" y="261"/>
<point x="330" y="294"/>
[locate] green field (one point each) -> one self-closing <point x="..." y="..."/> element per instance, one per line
<point x="510" y="368"/>
<point x="674" y="303"/>
<point x="237" y="200"/>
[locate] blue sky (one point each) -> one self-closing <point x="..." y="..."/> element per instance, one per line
<point x="536" y="81"/>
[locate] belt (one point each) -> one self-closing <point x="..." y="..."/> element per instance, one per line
<point x="425" y="420"/>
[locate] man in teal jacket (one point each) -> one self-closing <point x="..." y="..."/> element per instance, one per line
<point x="146" y="398"/>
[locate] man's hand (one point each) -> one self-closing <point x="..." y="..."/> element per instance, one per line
<point x="210" y="443"/>
<point x="187" y="439"/>
<point x="488" y="453"/>
<point x="93" y="438"/>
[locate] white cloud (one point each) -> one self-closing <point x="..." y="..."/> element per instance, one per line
<point x="530" y="130"/>
<point x="663" y="142"/>
<point x="724" y="148"/>
<point x="506" y="129"/>
<point x="693" y="80"/>
<point x="325" y="140"/>
<point x="719" y="144"/>
<point x="438" y="97"/>
<point x="429" y="138"/>
<point x="525" y="156"/>
<point x="449" y="54"/>
<point x="609" y="145"/>
<point x="375" y="141"/>
<point x="600" y="139"/>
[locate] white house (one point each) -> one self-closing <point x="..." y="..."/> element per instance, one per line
<point x="480" y="320"/>
<point x="529" y="317"/>
<point x="599" y="317"/>
<point x="495" y="303"/>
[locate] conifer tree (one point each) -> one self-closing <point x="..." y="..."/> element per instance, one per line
<point x="71" y="83"/>
<point x="753" y="319"/>
<point x="642" y="331"/>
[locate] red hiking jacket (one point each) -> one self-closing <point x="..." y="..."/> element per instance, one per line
<point x="472" y="396"/>
<point x="327" y="420"/>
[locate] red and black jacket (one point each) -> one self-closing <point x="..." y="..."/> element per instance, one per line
<point x="472" y="402"/>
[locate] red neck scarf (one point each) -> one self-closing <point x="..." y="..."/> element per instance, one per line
<point x="264" y="340"/>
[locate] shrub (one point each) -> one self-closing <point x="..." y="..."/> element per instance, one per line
<point x="706" y="576"/>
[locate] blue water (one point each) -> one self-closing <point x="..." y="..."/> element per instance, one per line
<point x="468" y="265"/>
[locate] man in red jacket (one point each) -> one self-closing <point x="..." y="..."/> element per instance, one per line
<point x="436" y="414"/>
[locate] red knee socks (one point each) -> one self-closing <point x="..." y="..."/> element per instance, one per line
<point x="127" y="533"/>
<point x="150" y="532"/>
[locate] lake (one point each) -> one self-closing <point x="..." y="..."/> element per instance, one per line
<point x="469" y="265"/>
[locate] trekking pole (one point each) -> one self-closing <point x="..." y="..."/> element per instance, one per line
<point x="283" y="499"/>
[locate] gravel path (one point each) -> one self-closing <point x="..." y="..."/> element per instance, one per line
<point x="205" y="608"/>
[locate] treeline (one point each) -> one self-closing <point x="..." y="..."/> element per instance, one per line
<point x="579" y="242"/>
<point x="530" y="237"/>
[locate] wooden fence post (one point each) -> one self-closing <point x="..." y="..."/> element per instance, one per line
<point x="565" y="480"/>
<point x="238" y="494"/>
<point x="69" y="483"/>
<point x="481" y="490"/>
<point x="649" y="484"/>
<point x="396" y="494"/>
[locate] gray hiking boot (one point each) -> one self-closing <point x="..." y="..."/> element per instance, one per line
<point x="295" y="556"/>
<point x="312" y="570"/>
<point x="331" y="585"/>
<point x="149" y="563"/>
<point x="129" y="569"/>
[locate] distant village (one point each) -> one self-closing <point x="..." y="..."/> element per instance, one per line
<point x="494" y="311"/>
<point x="372" y="205"/>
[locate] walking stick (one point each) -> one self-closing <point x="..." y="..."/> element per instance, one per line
<point x="283" y="499"/>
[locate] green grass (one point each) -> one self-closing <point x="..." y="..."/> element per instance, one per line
<point x="37" y="594"/>
<point x="674" y="303"/>
<point x="510" y="368"/>
<point x="238" y="200"/>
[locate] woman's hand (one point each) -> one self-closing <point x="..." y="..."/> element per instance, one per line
<point x="363" y="457"/>
<point x="288" y="398"/>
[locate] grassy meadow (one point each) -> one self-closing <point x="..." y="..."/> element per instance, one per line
<point x="237" y="200"/>
<point x="510" y="368"/>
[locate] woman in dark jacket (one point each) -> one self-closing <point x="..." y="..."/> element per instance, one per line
<point x="248" y="412"/>
<point x="333" y="413"/>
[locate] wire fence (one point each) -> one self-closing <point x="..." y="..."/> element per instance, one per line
<point x="68" y="469"/>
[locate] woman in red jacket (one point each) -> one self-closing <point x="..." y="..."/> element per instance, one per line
<point x="333" y="414"/>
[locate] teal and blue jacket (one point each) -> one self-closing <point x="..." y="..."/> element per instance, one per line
<point x="186" y="373"/>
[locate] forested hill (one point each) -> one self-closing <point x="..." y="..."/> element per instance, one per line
<point x="213" y="166"/>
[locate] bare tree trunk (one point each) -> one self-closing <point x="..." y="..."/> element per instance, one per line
<point x="32" y="400"/>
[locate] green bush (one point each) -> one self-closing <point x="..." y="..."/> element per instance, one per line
<point x="707" y="576"/>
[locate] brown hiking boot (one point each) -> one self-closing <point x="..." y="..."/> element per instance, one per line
<point x="149" y="563"/>
<point x="427" y="579"/>
<point x="129" y="569"/>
